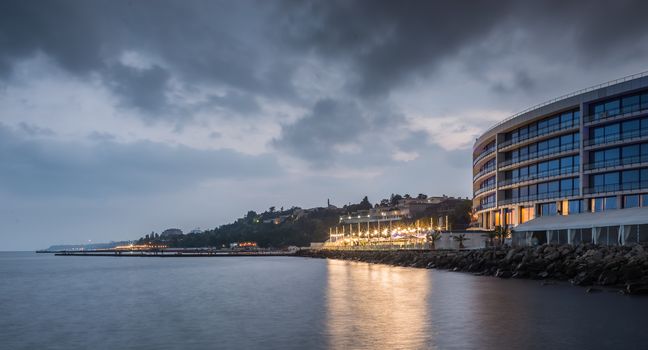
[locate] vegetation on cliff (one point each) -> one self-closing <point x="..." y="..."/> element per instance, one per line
<point x="299" y="227"/>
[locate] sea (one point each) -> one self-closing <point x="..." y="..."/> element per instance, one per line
<point x="72" y="302"/>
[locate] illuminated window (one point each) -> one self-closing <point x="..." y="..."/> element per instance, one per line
<point x="528" y="213"/>
<point x="564" y="210"/>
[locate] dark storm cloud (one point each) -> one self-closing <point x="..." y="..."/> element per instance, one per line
<point x="341" y="132"/>
<point x="45" y="167"/>
<point x="240" y="44"/>
<point x="329" y="124"/>
<point x="521" y="81"/>
<point x="144" y="89"/>
<point x="215" y="42"/>
<point x="388" y="42"/>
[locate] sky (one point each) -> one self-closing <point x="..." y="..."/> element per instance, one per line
<point x="118" y="118"/>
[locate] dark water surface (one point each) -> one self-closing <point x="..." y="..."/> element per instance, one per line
<point x="49" y="302"/>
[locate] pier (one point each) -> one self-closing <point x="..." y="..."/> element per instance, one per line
<point x="173" y="253"/>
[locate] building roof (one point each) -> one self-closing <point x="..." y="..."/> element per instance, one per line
<point x="630" y="216"/>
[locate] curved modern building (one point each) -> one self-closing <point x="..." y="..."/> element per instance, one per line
<point x="583" y="152"/>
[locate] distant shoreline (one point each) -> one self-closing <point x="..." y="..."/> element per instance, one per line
<point x="173" y="255"/>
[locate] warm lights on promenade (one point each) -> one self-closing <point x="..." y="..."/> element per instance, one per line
<point x="394" y="235"/>
<point x="140" y="247"/>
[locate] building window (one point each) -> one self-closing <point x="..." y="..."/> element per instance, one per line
<point x="631" y="201"/>
<point x="611" y="203"/>
<point x="630" y="104"/>
<point x="630" y="179"/>
<point x="548" y="209"/>
<point x="564" y="208"/>
<point x="509" y="216"/>
<point x="574" y="206"/>
<point x="528" y="213"/>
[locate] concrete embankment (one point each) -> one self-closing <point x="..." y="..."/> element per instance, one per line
<point x="622" y="267"/>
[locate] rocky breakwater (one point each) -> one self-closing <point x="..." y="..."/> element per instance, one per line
<point x="622" y="267"/>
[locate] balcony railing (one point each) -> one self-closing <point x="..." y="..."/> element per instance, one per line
<point x="484" y="189"/>
<point x="571" y="94"/>
<point x="484" y="154"/>
<point x="542" y="153"/>
<point x="573" y="170"/>
<point x="541" y="196"/>
<point x="483" y="172"/>
<point x="485" y="206"/>
<point x="616" y="137"/>
<point x="626" y="186"/>
<point x="616" y="112"/>
<point x="611" y="163"/>
<point x="540" y="132"/>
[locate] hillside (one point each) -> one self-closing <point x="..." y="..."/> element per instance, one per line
<point x="300" y="227"/>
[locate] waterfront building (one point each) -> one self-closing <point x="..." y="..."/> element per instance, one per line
<point x="585" y="152"/>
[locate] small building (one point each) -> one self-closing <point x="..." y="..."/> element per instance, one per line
<point x="244" y="246"/>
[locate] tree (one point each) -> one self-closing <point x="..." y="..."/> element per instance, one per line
<point x="407" y="196"/>
<point x="432" y="238"/>
<point x="364" y="204"/>
<point x="272" y="209"/>
<point x="395" y="198"/>
<point x="461" y="238"/>
<point x="384" y="203"/>
<point x="490" y="235"/>
<point x="421" y="196"/>
<point x="502" y="233"/>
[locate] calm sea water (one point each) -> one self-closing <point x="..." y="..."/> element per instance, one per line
<point x="49" y="302"/>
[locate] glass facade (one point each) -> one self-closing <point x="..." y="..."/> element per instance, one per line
<point x="544" y="190"/>
<point x="545" y="126"/>
<point x="575" y="206"/>
<point x="548" y="209"/>
<point x="625" y="180"/>
<point x="617" y="156"/>
<point x="604" y="203"/>
<point x="543" y="148"/>
<point x="620" y="131"/>
<point x="549" y="168"/>
<point x="620" y="105"/>
<point x="558" y="164"/>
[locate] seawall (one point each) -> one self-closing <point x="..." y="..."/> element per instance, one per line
<point x="622" y="267"/>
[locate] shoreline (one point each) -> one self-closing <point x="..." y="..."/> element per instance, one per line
<point x="624" y="268"/>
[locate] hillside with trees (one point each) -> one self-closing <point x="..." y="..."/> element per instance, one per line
<point x="299" y="227"/>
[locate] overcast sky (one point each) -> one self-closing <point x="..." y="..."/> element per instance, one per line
<point x="118" y="118"/>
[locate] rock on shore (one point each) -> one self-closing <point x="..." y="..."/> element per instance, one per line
<point x="623" y="267"/>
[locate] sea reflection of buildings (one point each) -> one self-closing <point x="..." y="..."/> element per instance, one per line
<point x="378" y="303"/>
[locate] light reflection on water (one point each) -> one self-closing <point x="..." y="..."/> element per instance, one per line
<point x="49" y="302"/>
<point x="373" y="306"/>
